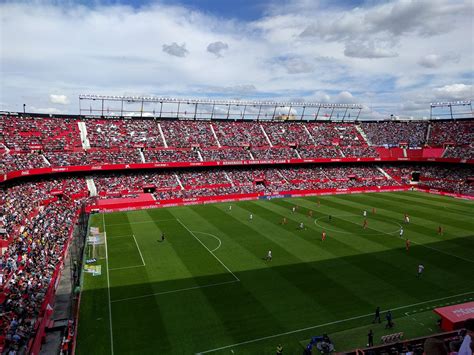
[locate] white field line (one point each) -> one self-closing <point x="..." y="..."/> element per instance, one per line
<point x="414" y="242"/>
<point x="108" y="288"/>
<point x="325" y="324"/>
<point x="126" y="267"/>
<point x="140" y="222"/>
<point x="219" y="260"/>
<point x="141" y="256"/>
<point x="212" y="235"/>
<point x="175" y="291"/>
<point x="120" y="236"/>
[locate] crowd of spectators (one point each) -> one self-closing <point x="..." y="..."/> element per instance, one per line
<point x="392" y="133"/>
<point x="225" y="154"/>
<point x="274" y="153"/>
<point x="463" y="152"/>
<point x="38" y="217"/>
<point x="360" y="152"/>
<point x="181" y="134"/>
<point x="95" y="157"/>
<point x="128" y="133"/>
<point x="284" y="134"/>
<point x="319" y="152"/>
<point x="21" y="161"/>
<point x="168" y="155"/>
<point x="54" y="134"/>
<point x="454" y="132"/>
<point x="459" y="180"/>
<point x="343" y="134"/>
<point x="238" y="134"/>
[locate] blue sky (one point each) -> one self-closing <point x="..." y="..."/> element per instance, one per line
<point x="391" y="56"/>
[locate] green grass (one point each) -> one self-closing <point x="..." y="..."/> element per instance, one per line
<point x="207" y="286"/>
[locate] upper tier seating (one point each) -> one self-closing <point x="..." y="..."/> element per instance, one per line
<point x="392" y="133"/>
<point x="53" y="134"/>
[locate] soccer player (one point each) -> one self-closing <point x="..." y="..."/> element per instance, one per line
<point x="365" y="213"/>
<point x="284" y="221"/>
<point x="421" y="268"/>
<point x="377" y="315"/>
<point x="230" y="208"/>
<point x="330" y="218"/>
<point x="319" y="203"/>
<point x="162" y="236"/>
<point x="293" y="209"/>
<point x="370" y="338"/>
<point x="366" y="224"/>
<point x="440" y="230"/>
<point x="269" y="256"/>
<point x="407" y="218"/>
<point x="310" y="213"/>
<point x="374" y="210"/>
<point x="301" y="225"/>
<point x="407" y="244"/>
<point x="388" y="317"/>
<point x="323" y="236"/>
<point x="401" y="232"/>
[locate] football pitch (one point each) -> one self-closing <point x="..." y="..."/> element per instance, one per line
<point x="208" y="288"/>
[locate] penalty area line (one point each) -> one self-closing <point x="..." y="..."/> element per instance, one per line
<point x="326" y="324"/>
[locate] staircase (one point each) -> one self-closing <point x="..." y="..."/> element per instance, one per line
<point x="405" y="153"/>
<point x="199" y="155"/>
<point x="229" y="179"/>
<point x="91" y="186"/>
<point x="444" y="152"/>
<point x="46" y="160"/>
<point x="309" y="134"/>
<point x="162" y="136"/>
<point x="428" y="132"/>
<point x="298" y="154"/>
<point x="83" y="132"/>
<point x="179" y="181"/>
<point x="384" y="172"/>
<point x="266" y="136"/>
<point x="215" y="135"/>
<point x="251" y="155"/>
<point x="362" y="133"/>
<point x="142" y="156"/>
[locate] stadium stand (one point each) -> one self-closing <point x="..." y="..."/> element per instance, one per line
<point x="38" y="214"/>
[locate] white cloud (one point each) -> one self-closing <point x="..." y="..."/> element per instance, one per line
<point x="58" y="99"/>
<point x="176" y="49"/>
<point x="433" y="61"/>
<point x="454" y="92"/>
<point x="217" y="48"/>
<point x="367" y="50"/>
<point x="344" y="97"/>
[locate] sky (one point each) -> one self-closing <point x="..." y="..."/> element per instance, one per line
<point x="393" y="57"/>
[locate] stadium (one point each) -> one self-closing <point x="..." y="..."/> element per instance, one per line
<point x="155" y="224"/>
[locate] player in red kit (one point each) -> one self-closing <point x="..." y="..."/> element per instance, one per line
<point x="323" y="236"/>
<point x="407" y="244"/>
<point x="440" y="230"/>
<point x="365" y="224"/>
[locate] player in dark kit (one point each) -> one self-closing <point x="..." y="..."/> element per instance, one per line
<point x="370" y="338"/>
<point x="163" y="236"/>
<point x="377" y="315"/>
